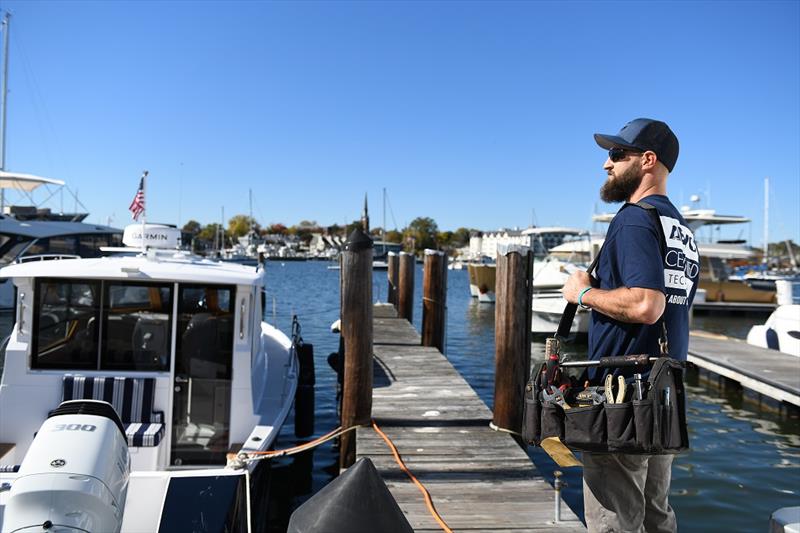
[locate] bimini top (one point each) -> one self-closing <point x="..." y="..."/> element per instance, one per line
<point x="24" y="182"/>
<point x="156" y="265"/>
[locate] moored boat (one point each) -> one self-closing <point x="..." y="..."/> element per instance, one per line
<point x="177" y="346"/>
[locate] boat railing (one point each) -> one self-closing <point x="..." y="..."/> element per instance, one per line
<point x="46" y="257"/>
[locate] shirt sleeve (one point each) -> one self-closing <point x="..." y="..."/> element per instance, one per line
<point x="641" y="263"/>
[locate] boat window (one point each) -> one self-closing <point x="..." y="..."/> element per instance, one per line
<point x="65" y="324"/>
<point x="89" y="245"/>
<point x="137" y="326"/>
<point x="11" y="248"/>
<point x="53" y="245"/>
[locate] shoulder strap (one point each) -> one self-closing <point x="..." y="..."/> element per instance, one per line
<point x="568" y="316"/>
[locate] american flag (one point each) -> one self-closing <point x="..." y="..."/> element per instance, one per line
<point x="137" y="205"/>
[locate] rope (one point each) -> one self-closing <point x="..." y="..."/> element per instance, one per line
<point x="503" y="430"/>
<point x="248" y="457"/>
<point x="420" y="486"/>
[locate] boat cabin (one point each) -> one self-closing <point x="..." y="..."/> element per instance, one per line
<point x="170" y="340"/>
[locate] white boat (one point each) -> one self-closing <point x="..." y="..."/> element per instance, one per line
<point x="540" y="239"/>
<point x="177" y="345"/>
<point x="780" y="332"/>
<point x="547" y="308"/>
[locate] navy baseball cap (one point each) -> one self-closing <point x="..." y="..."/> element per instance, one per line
<point x="644" y="134"/>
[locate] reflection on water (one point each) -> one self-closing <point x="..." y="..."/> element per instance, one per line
<point x="743" y="465"/>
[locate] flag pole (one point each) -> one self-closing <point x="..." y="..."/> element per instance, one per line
<point x="144" y="211"/>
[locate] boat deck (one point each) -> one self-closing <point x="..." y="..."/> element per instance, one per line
<point x="479" y="479"/>
<point x="770" y="373"/>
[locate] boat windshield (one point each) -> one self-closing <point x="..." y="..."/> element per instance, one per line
<point x="136" y="328"/>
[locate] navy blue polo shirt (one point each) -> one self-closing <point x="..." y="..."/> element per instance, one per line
<point x="632" y="257"/>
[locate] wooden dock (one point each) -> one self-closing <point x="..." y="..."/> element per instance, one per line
<point x="770" y="373"/>
<point x="479" y="479"/>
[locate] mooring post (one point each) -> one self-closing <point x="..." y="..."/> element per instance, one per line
<point x="434" y="299"/>
<point x="512" y="331"/>
<point x="393" y="273"/>
<point x="405" y="287"/>
<point x="356" y="329"/>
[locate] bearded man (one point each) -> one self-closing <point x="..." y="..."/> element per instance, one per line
<point x="642" y="283"/>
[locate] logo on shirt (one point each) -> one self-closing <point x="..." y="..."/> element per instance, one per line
<point x="682" y="262"/>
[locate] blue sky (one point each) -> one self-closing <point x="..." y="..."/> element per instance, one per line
<point x="475" y="114"/>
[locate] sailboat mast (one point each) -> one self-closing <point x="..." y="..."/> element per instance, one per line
<point x="383" y="226"/>
<point x="4" y="89"/>
<point x="766" y="221"/>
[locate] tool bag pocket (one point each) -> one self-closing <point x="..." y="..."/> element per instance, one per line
<point x="620" y="427"/>
<point x="643" y="425"/>
<point x="532" y="409"/>
<point x="552" y="420"/>
<point x="668" y="396"/>
<point x="532" y="418"/>
<point x="585" y="428"/>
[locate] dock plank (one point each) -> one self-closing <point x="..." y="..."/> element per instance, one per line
<point x="769" y="372"/>
<point x="479" y="479"/>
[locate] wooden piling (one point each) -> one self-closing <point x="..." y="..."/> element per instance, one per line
<point x="393" y="273"/>
<point x="513" y="291"/>
<point x="434" y="299"/>
<point x="356" y="329"/>
<point x="405" y="287"/>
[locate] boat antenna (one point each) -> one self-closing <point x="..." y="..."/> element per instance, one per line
<point x="4" y="89"/>
<point x="383" y="227"/>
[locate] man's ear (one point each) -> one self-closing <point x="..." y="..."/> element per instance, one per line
<point x="649" y="160"/>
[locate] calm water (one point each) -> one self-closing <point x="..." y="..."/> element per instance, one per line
<point x="743" y="465"/>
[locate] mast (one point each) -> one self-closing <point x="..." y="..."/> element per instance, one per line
<point x="3" y="103"/>
<point x="766" y="221"/>
<point x="383" y="228"/>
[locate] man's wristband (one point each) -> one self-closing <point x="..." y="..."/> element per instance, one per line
<point x="580" y="298"/>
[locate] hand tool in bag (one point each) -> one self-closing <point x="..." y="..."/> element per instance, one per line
<point x="591" y="395"/>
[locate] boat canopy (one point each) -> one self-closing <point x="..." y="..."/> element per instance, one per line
<point x="38" y="229"/>
<point x="24" y="182"/>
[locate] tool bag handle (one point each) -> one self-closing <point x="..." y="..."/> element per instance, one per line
<point x="568" y="316"/>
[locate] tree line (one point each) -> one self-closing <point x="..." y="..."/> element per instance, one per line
<point x="421" y="233"/>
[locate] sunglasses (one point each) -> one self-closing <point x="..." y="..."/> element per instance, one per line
<point x="618" y="154"/>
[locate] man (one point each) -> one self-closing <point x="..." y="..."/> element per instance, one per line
<point x="636" y="284"/>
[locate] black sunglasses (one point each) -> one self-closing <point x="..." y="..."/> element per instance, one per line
<point x="618" y="154"/>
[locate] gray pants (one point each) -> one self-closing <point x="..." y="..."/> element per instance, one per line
<point x="627" y="493"/>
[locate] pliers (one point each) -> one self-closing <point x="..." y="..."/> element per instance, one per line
<point x="621" y="389"/>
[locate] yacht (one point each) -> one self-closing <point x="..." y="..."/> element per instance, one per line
<point x="483" y="246"/>
<point x="135" y="388"/>
<point x="780" y="332"/>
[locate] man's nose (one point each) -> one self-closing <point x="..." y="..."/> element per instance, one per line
<point x="608" y="165"/>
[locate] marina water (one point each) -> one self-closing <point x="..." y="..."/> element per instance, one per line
<point x="743" y="465"/>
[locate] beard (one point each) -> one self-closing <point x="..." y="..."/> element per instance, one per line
<point x="622" y="186"/>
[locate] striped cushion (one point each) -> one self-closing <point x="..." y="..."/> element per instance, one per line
<point x="132" y="399"/>
<point x="144" y="434"/>
<point x="9" y="468"/>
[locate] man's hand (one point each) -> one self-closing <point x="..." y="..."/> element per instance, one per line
<point x="575" y="284"/>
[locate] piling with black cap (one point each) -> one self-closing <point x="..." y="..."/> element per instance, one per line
<point x="356" y="329"/>
<point x="513" y="291"/>
<point x="405" y="287"/>
<point x="434" y="299"/>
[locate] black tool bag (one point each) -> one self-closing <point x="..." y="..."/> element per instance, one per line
<point x="655" y="424"/>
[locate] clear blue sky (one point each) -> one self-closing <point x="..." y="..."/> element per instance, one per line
<point x="475" y="114"/>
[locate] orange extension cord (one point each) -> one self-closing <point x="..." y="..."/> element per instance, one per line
<point x="339" y="431"/>
<point x="425" y="494"/>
